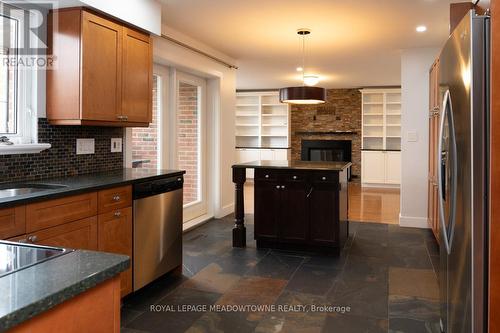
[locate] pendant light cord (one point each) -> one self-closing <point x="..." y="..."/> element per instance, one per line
<point x="303" y="59"/>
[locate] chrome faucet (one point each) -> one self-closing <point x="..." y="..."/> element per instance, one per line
<point x="5" y="141"/>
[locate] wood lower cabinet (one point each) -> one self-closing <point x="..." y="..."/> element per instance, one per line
<point x="102" y="72"/>
<point x="80" y="234"/>
<point x="98" y="221"/>
<point x="115" y="236"/>
<point x="301" y="209"/>
<point x="12" y="222"/>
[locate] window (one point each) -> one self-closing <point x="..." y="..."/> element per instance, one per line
<point x="17" y="121"/>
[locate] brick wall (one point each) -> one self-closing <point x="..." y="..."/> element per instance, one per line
<point x="342" y="111"/>
<point x="145" y="139"/>
<point x="187" y="139"/>
<point x="61" y="160"/>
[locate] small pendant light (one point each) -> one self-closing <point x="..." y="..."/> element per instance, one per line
<point x="307" y="93"/>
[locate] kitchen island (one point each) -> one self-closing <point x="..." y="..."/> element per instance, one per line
<point x="298" y="204"/>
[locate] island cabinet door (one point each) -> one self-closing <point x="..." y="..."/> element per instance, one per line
<point x="267" y="202"/>
<point x="293" y="218"/>
<point x="323" y="213"/>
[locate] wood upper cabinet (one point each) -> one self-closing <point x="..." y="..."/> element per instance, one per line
<point x="101" y="44"/>
<point x="115" y="236"/>
<point x="102" y="72"/>
<point x="434" y="122"/>
<point x="137" y="79"/>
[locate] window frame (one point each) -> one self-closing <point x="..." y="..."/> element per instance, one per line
<point x="26" y="84"/>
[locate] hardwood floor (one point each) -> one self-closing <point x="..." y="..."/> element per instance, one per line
<point x="378" y="205"/>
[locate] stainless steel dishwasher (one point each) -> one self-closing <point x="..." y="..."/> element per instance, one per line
<point x="157" y="228"/>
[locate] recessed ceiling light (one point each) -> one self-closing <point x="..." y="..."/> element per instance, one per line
<point x="311" y="80"/>
<point x="300" y="69"/>
<point x="421" y="28"/>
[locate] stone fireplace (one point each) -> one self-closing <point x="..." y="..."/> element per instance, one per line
<point x="339" y="119"/>
<point x="326" y="150"/>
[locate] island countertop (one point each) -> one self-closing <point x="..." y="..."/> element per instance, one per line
<point x="29" y="292"/>
<point x="294" y="165"/>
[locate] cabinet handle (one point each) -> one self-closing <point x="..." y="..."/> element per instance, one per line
<point x="266" y="176"/>
<point x="116" y="198"/>
<point x="294" y="177"/>
<point x="323" y="178"/>
<point x="310" y="192"/>
<point x="277" y="187"/>
<point x="32" y="239"/>
<point x="118" y="214"/>
<point x="125" y="118"/>
<point x="282" y="187"/>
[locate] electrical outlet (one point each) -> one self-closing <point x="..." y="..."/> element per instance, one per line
<point x="412" y="136"/>
<point x="116" y="145"/>
<point x="85" y="146"/>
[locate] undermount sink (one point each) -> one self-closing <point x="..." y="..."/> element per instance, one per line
<point x="13" y="190"/>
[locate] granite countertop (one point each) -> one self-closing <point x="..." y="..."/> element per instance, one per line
<point x="33" y="290"/>
<point x="298" y="165"/>
<point x="86" y="183"/>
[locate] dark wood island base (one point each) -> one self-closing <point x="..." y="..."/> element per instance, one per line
<point x="298" y="205"/>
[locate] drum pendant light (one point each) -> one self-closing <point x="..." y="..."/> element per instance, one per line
<point x="305" y="94"/>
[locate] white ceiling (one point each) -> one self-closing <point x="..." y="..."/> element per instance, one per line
<point x="353" y="43"/>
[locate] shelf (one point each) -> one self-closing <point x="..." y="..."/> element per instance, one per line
<point x="275" y="135"/>
<point x="393" y="125"/>
<point x="394" y="114"/>
<point x="373" y="125"/>
<point x="253" y="135"/>
<point x="373" y="103"/>
<point x="246" y="115"/>
<point x="373" y="114"/>
<point x="274" y="115"/>
<point x="248" y="125"/>
<point x="246" y="105"/>
<point x="373" y="136"/>
<point x="275" y="125"/>
<point x="393" y="136"/>
<point x="280" y="104"/>
<point x="393" y="103"/>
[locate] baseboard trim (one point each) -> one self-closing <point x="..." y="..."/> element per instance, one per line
<point x="380" y="185"/>
<point x="196" y="222"/>
<point x="225" y="211"/>
<point x="413" y="222"/>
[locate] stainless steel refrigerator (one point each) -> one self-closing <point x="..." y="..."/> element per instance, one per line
<point x="463" y="177"/>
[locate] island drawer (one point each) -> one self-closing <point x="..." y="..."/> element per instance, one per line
<point x="12" y="222"/>
<point x="51" y="213"/>
<point x="114" y="198"/>
<point x="266" y="174"/>
<point x="326" y="177"/>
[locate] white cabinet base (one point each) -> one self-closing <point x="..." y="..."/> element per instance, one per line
<point x="244" y="155"/>
<point x="380" y="168"/>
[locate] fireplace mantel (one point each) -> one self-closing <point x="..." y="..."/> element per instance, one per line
<point x="326" y="133"/>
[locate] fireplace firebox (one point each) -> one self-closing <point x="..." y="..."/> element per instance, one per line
<point x="327" y="150"/>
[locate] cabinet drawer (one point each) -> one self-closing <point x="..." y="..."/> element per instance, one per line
<point x="114" y="198"/>
<point x="80" y="234"/>
<point x="295" y="176"/>
<point x="266" y="174"/>
<point x="12" y="222"/>
<point x="51" y="213"/>
<point x="325" y="177"/>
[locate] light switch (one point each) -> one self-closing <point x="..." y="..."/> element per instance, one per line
<point x="412" y="136"/>
<point x="85" y="146"/>
<point x="116" y="145"/>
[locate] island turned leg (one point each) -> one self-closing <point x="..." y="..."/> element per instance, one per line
<point x="239" y="230"/>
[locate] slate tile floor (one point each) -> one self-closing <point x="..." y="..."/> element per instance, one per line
<point x="386" y="275"/>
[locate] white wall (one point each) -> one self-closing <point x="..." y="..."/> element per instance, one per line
<point x="415" y="65"/>
<point x="145" y="14"/>
<point x="219" y="78"/>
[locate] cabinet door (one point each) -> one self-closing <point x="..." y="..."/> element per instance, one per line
<point x="101" y="68"/>
<point x="80" y="234"/>
<point x="392" y="167"/>
<point x="267" y="154"/>
<point x="373" y="167"/>
<point x="12" y="222"/>
<point x="323" y="216"/>
<point x="266" y="206"/>
<point x="137" y="76"/>
<point x="281" y="154"/>
<point x="115" y="236"/>
<point x="293" y="219"/>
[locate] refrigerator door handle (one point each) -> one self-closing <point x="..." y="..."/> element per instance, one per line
<point x="444" y="157"/>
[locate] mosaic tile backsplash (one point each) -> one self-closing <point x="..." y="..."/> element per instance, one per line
<point x="61" y="160"/>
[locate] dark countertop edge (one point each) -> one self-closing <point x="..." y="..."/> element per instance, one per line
<point x="48" y="302"/>
<point x="64" y="192"/>
<point x="240" y="166"/>
<point x="245" y="147"/>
